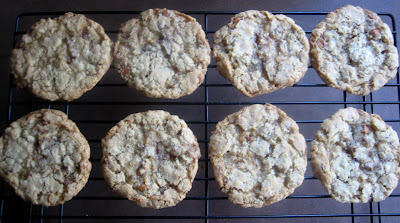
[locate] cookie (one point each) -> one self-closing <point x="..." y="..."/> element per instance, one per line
<point x="61" y="58"/>
<point x="258" y="155"/>
<point x="356" y="156"/>
<point x="45" y="158"/>
<point x="151" y="158"/>
<point x="352" y="50"/>
<point x="162" y="53"/>
<point x="260" y="52"/>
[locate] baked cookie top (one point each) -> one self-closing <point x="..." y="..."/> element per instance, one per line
<point x="61" y="58"/>
<point x="258" y="155"/>
<point x="260" y="52"/>
<point x="352" y="50"/>
<point x="356" y="156"/>
<point x="162" y="53"/>
<point x="44" y="157"/>
<point x="151" y="158"/>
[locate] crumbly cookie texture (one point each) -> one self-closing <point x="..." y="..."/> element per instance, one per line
<point x="356" y="156"/>
<point x="61" y="58"/>
<point x="258" y="156"/>
<point x="151" y="158"/>
<point x="45" y="158"/>
<point x="352" y="50"/>
<point x="162" y="53"/>
<point x="260" y="52"/>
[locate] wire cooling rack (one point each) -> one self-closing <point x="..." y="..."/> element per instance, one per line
<point x="308" y="102"/>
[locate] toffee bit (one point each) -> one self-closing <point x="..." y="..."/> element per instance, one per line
<point x="249" y="138"/>
<point x="368" y="166"/>
<point x="365" y="129"/>
<point x="30" y="116"/>
<point x="67" y="181"/>
<point x="85" y="166"/>
<point x="351" y="150"/>
<point x="200" y="79"/>
<point x="374" y="33"/>
<point x="45" y="122"/>
<point x="142" y="187"/>
<point x="258" y="39"/>
<point x="85" y="33"/>
<point x="126" y="71"/>
<point x="180" y="132"/>
<point x="321" y="42"/>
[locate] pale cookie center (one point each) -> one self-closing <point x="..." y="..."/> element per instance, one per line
<point x="264" y="53"/>
<point x="363" y="165"/>
<point x="259" y="162"/>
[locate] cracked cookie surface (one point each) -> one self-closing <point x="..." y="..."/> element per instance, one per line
<point x="61" y="58"/>
<point x="260" y="52"/>
<point x="356" y="156"/>
<point x="162" y="53"/>
<point x="45" y="158"/>
<point x="258" y="155"/>
<point x="151" y="158"/>
<point x="353" y="50"/>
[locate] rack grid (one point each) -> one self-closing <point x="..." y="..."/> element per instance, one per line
<point x="12" y="207"/>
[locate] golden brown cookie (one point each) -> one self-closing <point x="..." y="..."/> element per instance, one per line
<point x="260" y="52"/>
<point x="162" y="53"/>
<point x="61" y="58"/>
<point x="353" y="50"/>
<point x="45" y="158"/>
<point x="258" y="155"/>
<point x="356" y="156"/>
<point x="151" y="158"/>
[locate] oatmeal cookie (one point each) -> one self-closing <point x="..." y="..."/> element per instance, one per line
<point x="356" y="156"/>
<point x="151" y="158"/>
<point x="162" y="53"/>
<point x="45" y="158"/>
<point x="353" y="50"/>
<point x="258" y="155"/>
<point x="260" y="52"/>
<point x="61" y="58"/>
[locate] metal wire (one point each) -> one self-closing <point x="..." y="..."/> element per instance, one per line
<point x="34" y="214"/>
